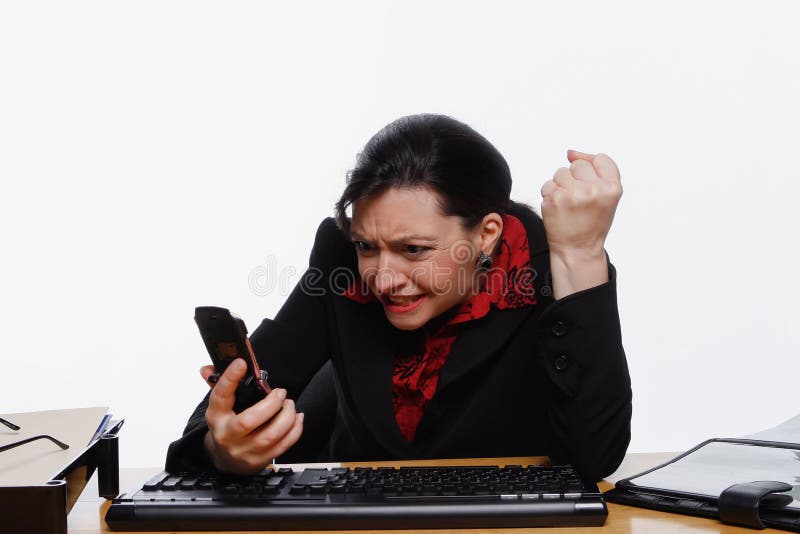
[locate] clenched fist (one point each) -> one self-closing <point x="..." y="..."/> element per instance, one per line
<point x="578" y="207"/>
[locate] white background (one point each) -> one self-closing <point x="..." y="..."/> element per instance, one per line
<point x="154" y="155"/>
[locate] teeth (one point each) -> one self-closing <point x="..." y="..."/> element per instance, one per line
<point x="403" y="301"/>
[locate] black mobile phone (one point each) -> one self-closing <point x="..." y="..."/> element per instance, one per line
<point x="225" y="336"/>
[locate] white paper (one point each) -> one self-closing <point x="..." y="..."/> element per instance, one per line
<point x="718" y="465"/>
<point x="786" y="432"/>
<point x="37" y="462"/>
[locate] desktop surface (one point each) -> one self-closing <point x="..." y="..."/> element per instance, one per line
<point x="87" y="516"/>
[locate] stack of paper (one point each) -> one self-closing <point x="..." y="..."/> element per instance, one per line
<point x="37" y="462"/>
<point x="786" y="432"/>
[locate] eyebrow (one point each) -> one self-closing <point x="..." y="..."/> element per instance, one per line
<point x="400" y="239"/>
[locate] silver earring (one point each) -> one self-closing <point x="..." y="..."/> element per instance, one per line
<point x="484" y="261"/>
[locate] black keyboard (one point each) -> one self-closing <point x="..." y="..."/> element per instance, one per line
<point x="363" y="498"/>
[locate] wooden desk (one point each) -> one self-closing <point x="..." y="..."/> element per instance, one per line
<point x="87" y="516"/>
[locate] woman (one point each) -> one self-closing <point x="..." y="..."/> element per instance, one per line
<point x="439" y="320"/>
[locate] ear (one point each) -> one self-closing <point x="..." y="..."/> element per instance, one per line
<point x="490" y="229"/>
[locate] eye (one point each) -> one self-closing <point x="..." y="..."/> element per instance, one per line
<point x="361" y="246"/>
<point x="415" y="250"/>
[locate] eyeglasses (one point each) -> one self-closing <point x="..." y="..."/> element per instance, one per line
<point x="9" y="424"/>
<point x="12" y="426"/>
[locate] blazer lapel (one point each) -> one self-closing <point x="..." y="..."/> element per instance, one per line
<point x="368" y="344"/>
<point x="479" y="341"/>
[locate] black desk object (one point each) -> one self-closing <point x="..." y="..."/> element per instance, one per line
<point x="747" y="494"/>
<point x="43" y="509"/>
<point x="363" y="498"/>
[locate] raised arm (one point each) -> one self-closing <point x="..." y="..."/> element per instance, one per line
<point x="590" y="410"/>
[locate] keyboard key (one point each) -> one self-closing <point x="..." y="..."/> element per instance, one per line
<point x="409" y="487"/>
<point x="356" y="488"/>
<point x="339" y="487"/>
<point x="390" y="489"/>
<point x="313" y="476"/>
<point x="430" y="489"/>
<point x="231" y="489"/>
<point x="275" y="482"/>
<point x="155" y="483"/>
<point x="188" y="483"/>
<point x="171" y="483"/>
<point x="298" y="489"/>
<point x="449" y="489"/>
<point x="251" y="489"/>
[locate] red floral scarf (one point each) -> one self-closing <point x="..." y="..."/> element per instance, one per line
<point x="508" y="284"/>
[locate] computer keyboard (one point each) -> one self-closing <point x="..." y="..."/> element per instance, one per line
<point x="363" y="498"/>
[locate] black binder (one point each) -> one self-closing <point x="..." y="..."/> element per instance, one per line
<point x="744" y="482"/>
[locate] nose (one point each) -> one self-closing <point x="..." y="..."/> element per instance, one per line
<point x="390" y="278"/>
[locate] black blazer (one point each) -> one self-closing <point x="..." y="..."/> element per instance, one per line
<point x="549" y="379"/>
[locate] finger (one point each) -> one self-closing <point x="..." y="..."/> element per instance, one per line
<point x="290" y="438"/>
<point x="574" y="155"/>
<point x="223" y="394"/>
<point x="262" y="411"/>
<point x="272" y="432"/>
<point x="206" y="371"/>
<point x="606" y="168"/>
<point x="548" y="188"/>
<point x="563" y="178"/>
<point x="583" y="170"/>
<point x="547" y="203"/>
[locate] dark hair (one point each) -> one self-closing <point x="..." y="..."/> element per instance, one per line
<point x="437" y="151"/>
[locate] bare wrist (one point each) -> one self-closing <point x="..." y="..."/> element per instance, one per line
<point x="573" y="256"/>
<point x="577" y="269"/>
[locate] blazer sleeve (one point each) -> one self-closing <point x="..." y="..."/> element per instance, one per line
<point x="583" y="357"/>
<point x="292" y="348"/>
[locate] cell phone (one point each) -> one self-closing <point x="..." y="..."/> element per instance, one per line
<point x="225" y="337"/>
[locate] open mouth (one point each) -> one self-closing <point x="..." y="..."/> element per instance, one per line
<point x="402" y="301"/>
<point x="402" y="304"/>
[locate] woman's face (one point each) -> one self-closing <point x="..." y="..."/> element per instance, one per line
<point x="417" y="261"/>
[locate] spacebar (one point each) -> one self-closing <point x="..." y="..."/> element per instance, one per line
<point x="457" y="498"/>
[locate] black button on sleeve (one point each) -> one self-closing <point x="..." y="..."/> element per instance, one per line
<point x="559" y="329"/>
<point x="561" y="362"/>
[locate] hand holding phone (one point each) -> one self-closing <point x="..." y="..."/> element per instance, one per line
<point x="246" y="441"/>
<point x="225" y="337"/>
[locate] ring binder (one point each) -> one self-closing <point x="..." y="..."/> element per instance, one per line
<point x="739" y="504"/>
<point x="711" y="480"/>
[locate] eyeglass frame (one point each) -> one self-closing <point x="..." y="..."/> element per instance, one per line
<point x="12" y="426"/>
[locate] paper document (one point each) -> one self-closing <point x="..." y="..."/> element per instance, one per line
<point x="37" y="462"/>
<point x="786" y="432"/>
